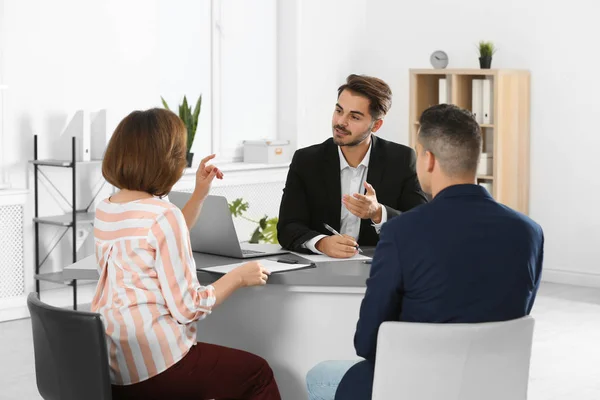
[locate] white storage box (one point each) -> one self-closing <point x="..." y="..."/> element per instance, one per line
<point x="486" y="164"/>
<point x="267" y="151"/>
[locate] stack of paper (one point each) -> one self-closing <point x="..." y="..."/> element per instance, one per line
<point x="271" y="266"/>
<point x="323" y="258"/>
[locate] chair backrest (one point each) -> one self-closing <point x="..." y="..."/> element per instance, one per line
<point x="420" y="361"/>
<point x="71" y="360"/>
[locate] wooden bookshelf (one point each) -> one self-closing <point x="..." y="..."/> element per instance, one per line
<point x="506" y="137"/>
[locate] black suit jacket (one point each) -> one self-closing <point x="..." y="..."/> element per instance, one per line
<point x="313" y="196"/>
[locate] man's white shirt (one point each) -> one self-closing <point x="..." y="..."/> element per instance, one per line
<point x="352" y="181"/>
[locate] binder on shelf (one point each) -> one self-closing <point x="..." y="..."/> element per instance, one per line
<point x="443" y="91"/>
<point x="103" y="124"/>
<point x="99" y="133"/>
<point x="83" y="137"/>
<point x="477" y="100"/>
<point x="487" y="101"/>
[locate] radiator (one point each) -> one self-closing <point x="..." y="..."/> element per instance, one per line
<point x="12" y="261"/>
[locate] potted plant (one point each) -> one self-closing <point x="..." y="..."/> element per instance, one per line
<point x="486" y="51"/>
<point x="190" y="119"/>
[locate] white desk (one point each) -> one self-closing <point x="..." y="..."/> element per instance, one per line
<point x="297" y="320"/>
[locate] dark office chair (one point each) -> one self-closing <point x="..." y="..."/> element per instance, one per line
<point x="71" y="360"/>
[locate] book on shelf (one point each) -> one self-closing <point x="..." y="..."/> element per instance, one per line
<point x="477" y="100"/>
<point x="487" y="101"/>
<point x="83" y="137"/>
<point x="443" y="91"/>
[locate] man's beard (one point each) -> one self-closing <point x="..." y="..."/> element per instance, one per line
<point x="361" y="138"/>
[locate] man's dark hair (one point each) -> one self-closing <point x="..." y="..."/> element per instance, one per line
<point x="377" y="91"/>
<point x="453" y="136"/>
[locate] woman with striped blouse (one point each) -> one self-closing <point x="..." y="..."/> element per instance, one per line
<point x="148" y="293"/>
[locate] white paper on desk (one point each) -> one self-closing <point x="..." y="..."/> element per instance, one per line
<point x="323" y="258"/>
<point x="270" y="265"/>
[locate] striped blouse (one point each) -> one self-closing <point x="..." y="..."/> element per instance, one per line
<point x="148" y="294"/>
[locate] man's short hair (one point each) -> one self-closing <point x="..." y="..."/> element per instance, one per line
<point x="377" y="91"/>
<point x="453" y="136"/>
<point x="147" y="152"/>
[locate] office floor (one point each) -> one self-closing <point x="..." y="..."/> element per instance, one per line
<point x="564" y="362"/>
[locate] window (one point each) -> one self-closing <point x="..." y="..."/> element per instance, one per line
<point x="225" y="50"/>
<point x="244" y="79"/>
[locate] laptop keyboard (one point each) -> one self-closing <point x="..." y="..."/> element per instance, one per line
<point x="246" y="251"/>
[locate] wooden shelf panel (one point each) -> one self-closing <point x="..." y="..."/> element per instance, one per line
<point x="417" y="123"/>
<point x="427" y="93"/>
<point x="451" y="71"/>
<point x="485" y="177"/>
<point x="462" y="86"/>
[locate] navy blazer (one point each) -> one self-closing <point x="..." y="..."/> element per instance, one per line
<point x="462" y="258"/>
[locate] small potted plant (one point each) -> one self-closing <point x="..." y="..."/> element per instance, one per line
<point x="486" y="51"/>
<point x="190" y="119"/>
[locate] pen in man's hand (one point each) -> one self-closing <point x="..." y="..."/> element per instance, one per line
<point x="330" y="229"/>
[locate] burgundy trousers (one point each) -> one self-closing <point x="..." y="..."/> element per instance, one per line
<point x="208" y="372"/>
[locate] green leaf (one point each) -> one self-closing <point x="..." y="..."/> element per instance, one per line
<point x="256" y="236"/>
<point x="266" y="231"/>
<point x="192" y="122"/>
<point x="238" y="207"/>
<point x="263" y="222"/>
<point x="269" y="232"/>
<point x="486" y="49"/>
<point x="185" y="104"/>
<point x="196" y="114"/>
<point x="164" y="103"/>
<point x="189" y="117"/>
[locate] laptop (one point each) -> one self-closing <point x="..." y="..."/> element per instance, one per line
<point x="214" y="232"/>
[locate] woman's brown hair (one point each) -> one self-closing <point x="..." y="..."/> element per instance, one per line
<point x="147" y="152"/>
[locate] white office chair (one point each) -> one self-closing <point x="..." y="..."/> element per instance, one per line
<point x="420" y="361"/>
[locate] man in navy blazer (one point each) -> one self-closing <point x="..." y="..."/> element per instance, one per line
<point x="461" y="258"/>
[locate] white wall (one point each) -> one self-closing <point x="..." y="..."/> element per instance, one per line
<point x="385" y="38"/>
<point x="66" y="55"/>
<point x="288" y="38"/>
<point x="550" y="42"/>
<point x="247" y="83"/>
<point x="124" y="55"/>
<point x="184" y="45"/>
<point x="331" y="45"/>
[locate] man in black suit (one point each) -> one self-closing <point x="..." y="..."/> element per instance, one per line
<point x="354" y="181"/>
